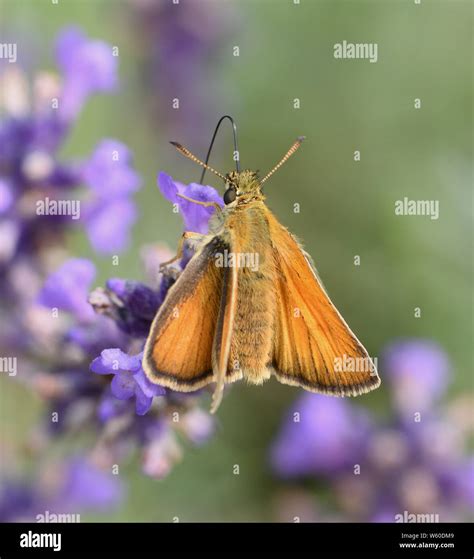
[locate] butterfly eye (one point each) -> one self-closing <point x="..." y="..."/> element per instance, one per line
<point x="229" y="196"/>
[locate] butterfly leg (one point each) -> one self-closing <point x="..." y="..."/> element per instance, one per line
<point x="217" y="207"/>
<point x="184" y="237"/>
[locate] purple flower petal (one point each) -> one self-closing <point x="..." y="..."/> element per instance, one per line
<point x="195" y="217"/>
<point x="69" y="40"/>
<point x="113" y="360"/>
<point x="143" y="402"/>
<point x="118" y="286"/>
<point x="139" y="299"/>
<point x="170" y="188"/>
<point x="129" y="379"/>
<point x="68" y="288"/>
<point x="123" y="385"/>
<point x="147" y="387"/>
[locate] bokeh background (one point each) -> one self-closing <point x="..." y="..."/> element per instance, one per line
<point x="187" y="51"/>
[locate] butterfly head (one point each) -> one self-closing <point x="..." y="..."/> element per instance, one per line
<point x="241" y="184"/>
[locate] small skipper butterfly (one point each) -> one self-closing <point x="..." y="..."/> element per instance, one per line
<point x="250" y="304"/>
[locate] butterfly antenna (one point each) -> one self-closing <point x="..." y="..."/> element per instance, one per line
<point x="285" y="158"/>
<point x="236" y="149"/>
<point x="188" y="154"/>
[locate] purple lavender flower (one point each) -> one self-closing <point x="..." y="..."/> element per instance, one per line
<point x="418" y="371"/>
<point x="87" y="66"/>
<point x="17" y="501"/>
<point x="108" y="172"/>
<point x="198" y="426"/>
<point x="125" y="310"/>
<point x="129" y="378"/>
<point x="124" y="406"/>
<point x="6" y="196"/>
<point x="74" y="486"/>
<point x="108" y="224"/>
<point x="67" y="288"/>
<point x="110" y="407"/>
<point x="323" y="435"/>
<point x="110" y="213"/>
<point x="195" y="217"/>
<point x="121" y="411"/>
<point x="380" y="470"/>
<point x="139" y="305"/>
<point x="178" y="41"/>
<point x="32" y="177"/>
<point x="132" y="306"/>
<point x="460" y="481"/>
<point x="85" y="486"/>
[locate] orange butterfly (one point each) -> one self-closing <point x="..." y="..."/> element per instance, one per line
<point x="250" y="304"/>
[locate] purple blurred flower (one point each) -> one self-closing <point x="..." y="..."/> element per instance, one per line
<point x="323" y="435"/>
<point x="56" y="354"/>
<point x="412" y="462"/>
<point x="108" y="224"/>
<point x="93" y="335"/>
<point x="123" y="407"/>
<point x="17" y="501"/>
<point x="178" y="42"/>
<point x="160" y="454"/>
<point x="129" y="378"/>
<point x="110" y="214"/>
<point x="196" y="217"/>
<point x="463" y="481"/>
<point x="87" y="66"/>
<point x="32" y="178"/>
<point x="60" y="488"/>
<point x="6" y="196"/>
<point x="110" y="407"/>
<point x="198" y="426"/>
<point x="68" y="287"/>
<point x="31" y="172"/>
<point x="108" y="171"/>
<point x="418" y="371"/>
<point x="132" y="306"/>
<point x="85" y="486"/>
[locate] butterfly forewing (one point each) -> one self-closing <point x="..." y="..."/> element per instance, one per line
<point x="178" y="352"/>
<point x="313" y="346"/>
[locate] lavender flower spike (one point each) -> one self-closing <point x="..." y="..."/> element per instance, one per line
<point x="88" y="66"/>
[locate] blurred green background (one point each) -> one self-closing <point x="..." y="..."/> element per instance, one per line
<point x="347" y="207"/>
